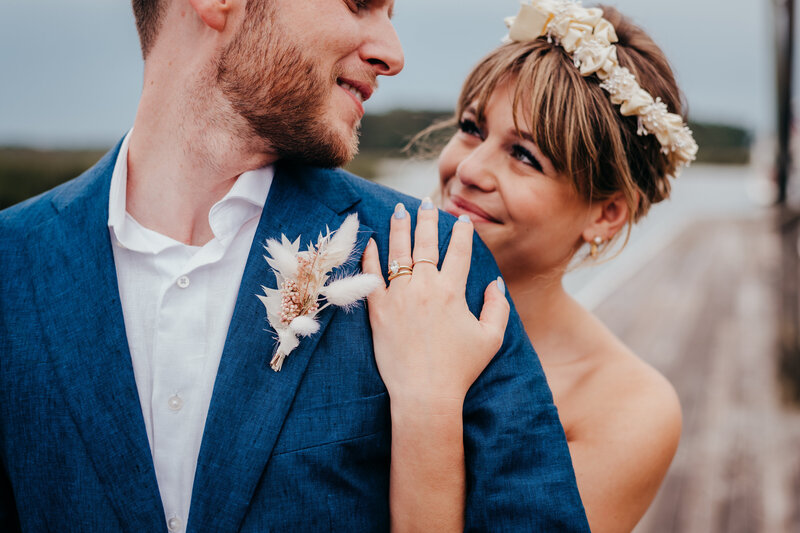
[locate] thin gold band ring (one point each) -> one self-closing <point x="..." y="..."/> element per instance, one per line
<point x="431" y="261"/>
<point x="400" y="273"/>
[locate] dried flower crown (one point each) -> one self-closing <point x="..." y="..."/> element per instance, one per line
<point x="588" y="37"/>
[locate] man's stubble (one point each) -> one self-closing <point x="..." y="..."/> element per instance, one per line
<point x="280" y="92"/>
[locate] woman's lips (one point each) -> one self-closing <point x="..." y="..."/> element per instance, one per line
<point x="457" y="206"/>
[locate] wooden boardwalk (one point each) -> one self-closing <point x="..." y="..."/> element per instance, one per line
<point x="704" y="312"/>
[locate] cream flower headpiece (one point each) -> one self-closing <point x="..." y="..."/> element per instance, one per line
<point x="589" y="38"/>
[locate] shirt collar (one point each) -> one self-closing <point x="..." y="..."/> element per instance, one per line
<point x="244" y="201"/>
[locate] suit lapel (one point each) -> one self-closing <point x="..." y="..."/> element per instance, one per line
<point x="250" y="401"/>
<point x="78" y="300"/>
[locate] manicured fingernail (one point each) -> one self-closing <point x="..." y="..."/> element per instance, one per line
<point x="463" y="218"/>
<point x="400" y="211"/>
<point x="427" y="204"/>
<point x="501" y="286"/>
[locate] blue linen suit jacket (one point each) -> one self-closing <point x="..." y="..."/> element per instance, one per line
<point x="305" y="449"/>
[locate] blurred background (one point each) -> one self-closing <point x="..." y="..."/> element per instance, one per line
<point x="707" y="289"/>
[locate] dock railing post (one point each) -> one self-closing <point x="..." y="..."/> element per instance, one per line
<point x="784" y="32"/>
<point x="788" y="215"/>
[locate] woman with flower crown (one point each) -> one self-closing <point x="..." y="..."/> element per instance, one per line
<point x="566" y="136"/>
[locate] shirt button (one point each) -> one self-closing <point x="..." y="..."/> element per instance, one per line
<point x="175" y="403"/>
<point x="183" y="282"/>
<point x="174" y="523"/>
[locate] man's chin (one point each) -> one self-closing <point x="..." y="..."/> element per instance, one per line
<point x="341" y="150"/>
<point x="326" y="155"/>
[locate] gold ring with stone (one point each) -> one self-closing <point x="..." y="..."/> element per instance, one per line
<point x="395" y="268"/>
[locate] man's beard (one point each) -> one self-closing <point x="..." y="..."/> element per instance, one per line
<point x="280" y="93"/>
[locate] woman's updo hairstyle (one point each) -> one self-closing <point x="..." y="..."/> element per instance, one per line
<point x="572" y="119"/>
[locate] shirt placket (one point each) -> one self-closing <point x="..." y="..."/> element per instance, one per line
<point x="178" y="359"/>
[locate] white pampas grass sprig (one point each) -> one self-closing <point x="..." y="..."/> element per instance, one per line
<point x="283" y="256"/>
<point x="304" y="326"/>
<point x="346" y="292"/>
<point x="303" y="288"/>
<point x="336" y="251"/>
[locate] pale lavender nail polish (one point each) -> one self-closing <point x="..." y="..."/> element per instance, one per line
<point x="427" y="204"/>
<point x="501" y="286"/>
<point x="463" y="218"/>
<point x="399" y="212"/>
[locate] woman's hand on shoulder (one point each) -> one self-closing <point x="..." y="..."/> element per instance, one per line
<point x="429" y="347"/>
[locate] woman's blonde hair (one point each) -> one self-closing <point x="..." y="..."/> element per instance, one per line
<point x="572" y="119"/>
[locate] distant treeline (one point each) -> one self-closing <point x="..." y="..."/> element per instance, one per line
<point x="391" y="132"/>
<point x="25" y="172"/>
<point x="726" y="145"/>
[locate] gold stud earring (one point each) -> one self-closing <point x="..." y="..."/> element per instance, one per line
<point x="595" y="246"/>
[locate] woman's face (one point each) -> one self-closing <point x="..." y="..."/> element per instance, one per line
<point x="529" y="216"/>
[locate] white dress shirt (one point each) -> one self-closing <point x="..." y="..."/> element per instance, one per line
<point x="177" y="301"/>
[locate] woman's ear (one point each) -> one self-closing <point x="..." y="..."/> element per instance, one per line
<point x="213" y="12"/>
<point x="607" y="218"/>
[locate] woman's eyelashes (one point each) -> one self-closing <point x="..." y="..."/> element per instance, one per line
<point x="518" y="152"/>
<point x="524" y="155"/>
<point x="469" y="127"/>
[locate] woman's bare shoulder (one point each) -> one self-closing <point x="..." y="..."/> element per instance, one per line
<point x="626" y="425"/>
<point x="625" y="397"/>
<point x="604" y="385"/>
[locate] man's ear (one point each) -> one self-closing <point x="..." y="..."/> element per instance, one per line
<point x="608" y="217"/>
<point x="213" y="12"/>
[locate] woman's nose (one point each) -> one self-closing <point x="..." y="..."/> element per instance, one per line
<point x="476" y="170"/>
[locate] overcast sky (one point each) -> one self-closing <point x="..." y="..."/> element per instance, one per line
<point x="71" y="70"/>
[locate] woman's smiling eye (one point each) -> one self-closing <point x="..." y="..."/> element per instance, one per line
<point x="524" y="155"/>
<point x="469" y="127"/>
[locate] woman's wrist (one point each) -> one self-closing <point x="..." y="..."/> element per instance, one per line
<point x="427" y="481"/>
<point x="425" y="408"/>
<point x="433" y="427"/>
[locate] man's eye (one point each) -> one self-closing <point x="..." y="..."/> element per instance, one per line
<point x="358" y="5"/>
<point x="524" y="155"/>
<point x="470" y="128"/>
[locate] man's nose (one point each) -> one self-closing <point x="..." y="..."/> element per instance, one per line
<point x="382" y="49"/>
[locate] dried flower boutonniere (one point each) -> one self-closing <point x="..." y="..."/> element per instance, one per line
<point x="302" y="291"/>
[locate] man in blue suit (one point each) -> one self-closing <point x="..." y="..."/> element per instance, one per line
<point x="135" y="389"/>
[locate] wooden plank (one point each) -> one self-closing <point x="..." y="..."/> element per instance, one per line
<point x="704" y="312"/>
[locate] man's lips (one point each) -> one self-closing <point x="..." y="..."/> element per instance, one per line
<point x="359" y="91"/>
<point x="365" y="89"/>
<point x="455" y="205"/>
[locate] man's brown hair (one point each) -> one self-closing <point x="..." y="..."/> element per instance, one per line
<point x="148" y="15"/>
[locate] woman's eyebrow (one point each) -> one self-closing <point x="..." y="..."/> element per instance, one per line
<point x="521" y="133"/>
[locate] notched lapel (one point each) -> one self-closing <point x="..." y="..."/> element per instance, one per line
<point x="78" y="301"/>
<point x="250" y="401"/>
